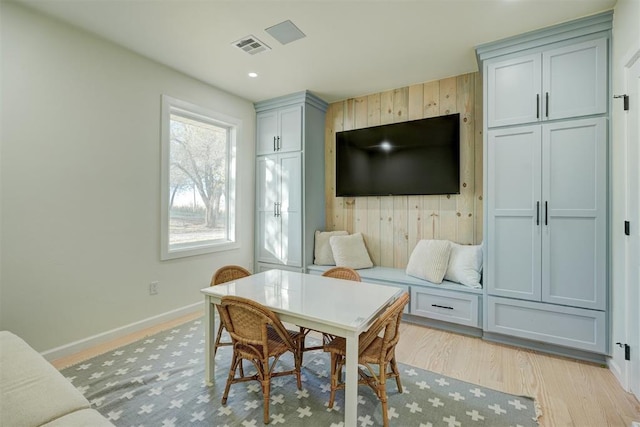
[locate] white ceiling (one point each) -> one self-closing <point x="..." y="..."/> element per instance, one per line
<point x="352" y="48"/>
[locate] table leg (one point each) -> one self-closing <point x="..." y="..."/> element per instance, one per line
<point x="351" y="381"/>
<point x="209" y="342"/>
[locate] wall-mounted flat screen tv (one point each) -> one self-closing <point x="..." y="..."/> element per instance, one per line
<point x="417" y="157"/>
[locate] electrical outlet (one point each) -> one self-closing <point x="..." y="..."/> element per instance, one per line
<point x="153" y="288"/>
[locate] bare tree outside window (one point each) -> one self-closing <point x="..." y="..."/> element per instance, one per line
<point x="198" y="172"/>
<point x="199" y="153"/>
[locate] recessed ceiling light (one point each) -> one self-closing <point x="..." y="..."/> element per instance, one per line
<point x="253" y="75"/>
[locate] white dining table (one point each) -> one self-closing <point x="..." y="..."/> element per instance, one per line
<point x="339" y="307"/>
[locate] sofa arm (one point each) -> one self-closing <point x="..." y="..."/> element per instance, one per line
<point x="32" y="391"/>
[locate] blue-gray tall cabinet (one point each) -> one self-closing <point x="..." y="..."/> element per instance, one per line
<point x="546" y="174"/>
<point x="289" y="180"/>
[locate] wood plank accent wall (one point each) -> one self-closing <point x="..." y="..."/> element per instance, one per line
<point x="392" y="225"/>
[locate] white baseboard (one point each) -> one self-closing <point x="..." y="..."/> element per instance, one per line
<point x="618" y="373"/>
<point x="92" y="341"/>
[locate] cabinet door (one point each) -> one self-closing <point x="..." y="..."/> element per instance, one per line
<point x="268" y="234"/>
<point x="267" y="132"/>
<point x="513" y="88"/>
<point x="290" y="210"/>
<point x="575" y="80"/>
<point x="290" y="129"/>
<point x="574" y="245"/>
<point x="514" y="195"/>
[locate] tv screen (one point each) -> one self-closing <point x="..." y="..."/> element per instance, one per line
<point x="418" y="157"/>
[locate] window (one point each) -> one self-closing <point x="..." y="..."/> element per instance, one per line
<point x="198" y="180"/>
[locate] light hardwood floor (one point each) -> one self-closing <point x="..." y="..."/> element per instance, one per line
<point x="569" y="393"/>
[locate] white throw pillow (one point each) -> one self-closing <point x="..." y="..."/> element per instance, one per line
<point x="429" y="260"/>
<point x="465" y="265"/>
<point x="350" y="251"/>
<point x="323" y="253"/>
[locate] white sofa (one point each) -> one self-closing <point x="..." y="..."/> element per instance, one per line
<point x="34" y="393"/>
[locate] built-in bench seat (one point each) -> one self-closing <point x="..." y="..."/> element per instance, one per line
<point x="448" y="305"/>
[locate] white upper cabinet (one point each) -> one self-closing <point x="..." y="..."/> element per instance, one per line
<point x="574" y="80"/>
<point x="516" y="87"/>
<point x="569" y="81"/>
<point x="279" y="130"/>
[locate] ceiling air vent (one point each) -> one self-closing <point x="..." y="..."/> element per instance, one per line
<point x="285" y="32"/>
<point x="251" y="45"/>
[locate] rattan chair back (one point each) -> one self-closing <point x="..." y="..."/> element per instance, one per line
<point x="251" y="324"/>
<point x="222" y="275"/>
<point x="342" y="273"/>
<point x="228" y="273"/>
<point x="388" y="324"/>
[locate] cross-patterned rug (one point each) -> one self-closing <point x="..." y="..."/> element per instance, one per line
<point x="159" y="381"/>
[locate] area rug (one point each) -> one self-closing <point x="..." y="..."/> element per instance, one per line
<point x="159" y="381"/>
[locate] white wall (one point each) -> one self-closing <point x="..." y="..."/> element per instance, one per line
<point x="626" y="39"/>
<point x="80" y="183"/>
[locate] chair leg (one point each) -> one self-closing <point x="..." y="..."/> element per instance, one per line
<point x="232" y="373"/>
<point x="297" y="358"/>
<point x="266" y="390"/>
<point x="265" y="380"/>
<point x="334" y="378"/>
<point x="382" y="394"/>
<point x="301" y="344"/>
<point x="218" y="337"/>
<point x="396" y="373"/>
<point x="217" y="344"/>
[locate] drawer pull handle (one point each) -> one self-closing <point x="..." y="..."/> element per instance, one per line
<point x="441" y="306"/>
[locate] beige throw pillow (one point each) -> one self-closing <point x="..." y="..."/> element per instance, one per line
<point x="465" y="265"/>
<point x="350" y="251"/>
<point x="429" y="260"/>
<point x="323" y="253"/>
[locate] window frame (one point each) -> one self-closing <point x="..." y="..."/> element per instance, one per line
<point x="186" y="109"/>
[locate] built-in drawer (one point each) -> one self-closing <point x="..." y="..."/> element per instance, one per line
<point x="447" y="306"/>
<point x="566" y="326"/>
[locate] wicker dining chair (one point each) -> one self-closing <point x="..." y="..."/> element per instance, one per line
<point x="373" y="350"/>
<point x="344" y="273"/>
<point x="258" y="336"/>
<point x="226" y="274"/>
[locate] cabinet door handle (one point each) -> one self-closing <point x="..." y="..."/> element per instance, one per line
<point x="546" y="105"/>
<point x="278" y="145"/>
<point x="537" y="105"/>
<point x="546" y="213"/>
<point x="274" y="143"/>
<point x="275" y="209"/>
<point x="538" y="212"/>
<point x="441" y="306"/>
